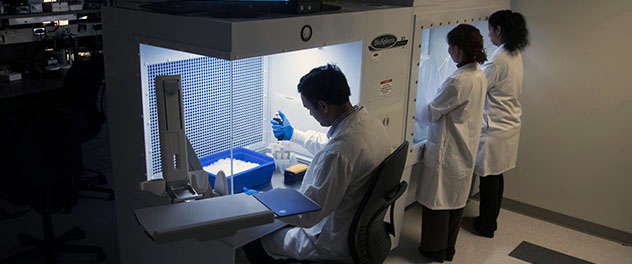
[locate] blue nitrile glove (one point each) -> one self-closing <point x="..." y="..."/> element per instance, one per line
<point x="281" y="127"/>
<point x="249" y="191"/>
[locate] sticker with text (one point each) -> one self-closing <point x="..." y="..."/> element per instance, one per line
<point x="386" y="87"/>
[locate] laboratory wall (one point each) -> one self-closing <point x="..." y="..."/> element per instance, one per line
<point x="574" y="155"/>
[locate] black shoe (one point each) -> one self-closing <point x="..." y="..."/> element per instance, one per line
<point x="449" y="253"/>
<point x="438" y="256"/>
<point x="469" y="224"/>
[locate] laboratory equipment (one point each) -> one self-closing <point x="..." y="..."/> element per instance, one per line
<point x="294" y="174"/>
<point x="430" y="65"/>
<point x="237" y="72"/>
<point x="234" y="76"/>
<point x="283" y="155"/>
<point x="286" y="202"/>
<point x="177" y="152"/>
<point x="281" y="127"/>
<point x="252" y="177"/>
<point x="279" y="121"/>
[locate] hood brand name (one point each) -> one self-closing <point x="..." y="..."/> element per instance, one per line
<point x="387" y="41"/>
<point x="384" y="41"/>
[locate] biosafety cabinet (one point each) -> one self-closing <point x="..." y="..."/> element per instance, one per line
<point x="431" y="64"/>
<point x="235" y="74"/>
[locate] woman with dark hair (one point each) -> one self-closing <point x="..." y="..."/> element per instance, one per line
<point x="498" y="149"/>
<point x="454" y="118"/>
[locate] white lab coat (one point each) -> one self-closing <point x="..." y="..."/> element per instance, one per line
<point x="455" y="116"/>
<point x="337" y="180"/>
<point x="498" y="149"/>
<point x="429" y="83"/>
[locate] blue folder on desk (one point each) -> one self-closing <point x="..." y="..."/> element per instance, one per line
<point x="286" y="202"/>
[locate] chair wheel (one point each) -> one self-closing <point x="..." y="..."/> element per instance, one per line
<point x="80" y="234"/>
<point x="101" y="256"/>
<point x="76" y="234"/>
<point x="24" y="240"/>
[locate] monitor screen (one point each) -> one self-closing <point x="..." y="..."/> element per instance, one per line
<point x="277" y="1"/>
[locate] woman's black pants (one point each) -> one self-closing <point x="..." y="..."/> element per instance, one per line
<point x="491" y="193"/>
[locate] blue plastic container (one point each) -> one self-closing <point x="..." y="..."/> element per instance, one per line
<point x="249" y="178"/>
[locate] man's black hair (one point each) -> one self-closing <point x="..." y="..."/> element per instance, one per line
<point x="326" y="83"/>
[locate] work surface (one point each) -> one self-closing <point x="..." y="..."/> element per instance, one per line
<point x="29" y="86"/>
<point x="247" y="235"/>
<point x="32" y="93"/>
<point x="219" y="217"/>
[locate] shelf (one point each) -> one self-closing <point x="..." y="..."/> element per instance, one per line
<point x="49" y="14"/>
<point x="52" y="81"/>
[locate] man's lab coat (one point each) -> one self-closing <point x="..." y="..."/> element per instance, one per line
<point x="336" y="180"/>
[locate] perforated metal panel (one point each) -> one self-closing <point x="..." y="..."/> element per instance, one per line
<point x="206" y="96"/>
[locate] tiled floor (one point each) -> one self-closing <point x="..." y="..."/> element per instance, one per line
<point x="513" y="229"/>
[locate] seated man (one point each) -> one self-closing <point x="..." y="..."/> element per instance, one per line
<point x="337" y="179"/>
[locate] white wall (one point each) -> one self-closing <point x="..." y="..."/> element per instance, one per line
<point x="575" y="150"/>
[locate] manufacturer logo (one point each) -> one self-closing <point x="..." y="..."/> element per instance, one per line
<point x="386" y="41"/>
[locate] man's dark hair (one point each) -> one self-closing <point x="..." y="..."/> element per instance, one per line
<point x="326" y="83"/>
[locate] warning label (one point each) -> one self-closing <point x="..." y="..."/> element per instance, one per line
<point x="386" y="86"/>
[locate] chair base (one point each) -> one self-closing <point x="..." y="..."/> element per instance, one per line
<point x="88" y="183"/>
<point x="49" y="246"/>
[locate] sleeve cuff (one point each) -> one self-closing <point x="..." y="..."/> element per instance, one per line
<point x="298" y="137"/>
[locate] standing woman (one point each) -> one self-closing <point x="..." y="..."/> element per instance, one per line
<point x="455" y="116"/>
<point x="498" y="149"/>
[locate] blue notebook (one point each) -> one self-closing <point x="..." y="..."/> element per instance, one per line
<point x="286" y="202"/>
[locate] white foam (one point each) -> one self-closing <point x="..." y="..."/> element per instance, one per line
<point x="224" y="164"/>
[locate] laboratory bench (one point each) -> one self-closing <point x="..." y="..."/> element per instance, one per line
<point x="247" y="235"/>
<point x="228" y="222"/>
<point x="28" y="86"/>
<point x="29" y="93"/>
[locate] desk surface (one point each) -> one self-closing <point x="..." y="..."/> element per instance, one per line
<point x="247" y="235"/>
<point x="30" y="86"/>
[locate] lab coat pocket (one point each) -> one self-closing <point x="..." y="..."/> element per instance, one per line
<point x="432" y="154"/>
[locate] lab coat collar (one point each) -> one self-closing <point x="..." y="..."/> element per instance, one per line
<point x="500" y="49"/>
<point x="341" y="118"/>
<point x="469" y="66"/>
<point x="464" y="63"/>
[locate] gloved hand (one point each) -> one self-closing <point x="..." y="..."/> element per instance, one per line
<point x="249" y="191"/>
<point x="281" y="127"/>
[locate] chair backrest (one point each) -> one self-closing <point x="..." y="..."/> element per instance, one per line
<point x="81" y="88"/>
<point x="369" y="235"/>
<point x="42" y="149"/>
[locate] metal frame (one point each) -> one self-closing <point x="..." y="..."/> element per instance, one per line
<point x="430" y="14"/>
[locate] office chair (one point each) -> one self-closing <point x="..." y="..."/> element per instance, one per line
<point x="81" y="89"/>
<point x="40" y="172"/>
<point x="369" y="235"/>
